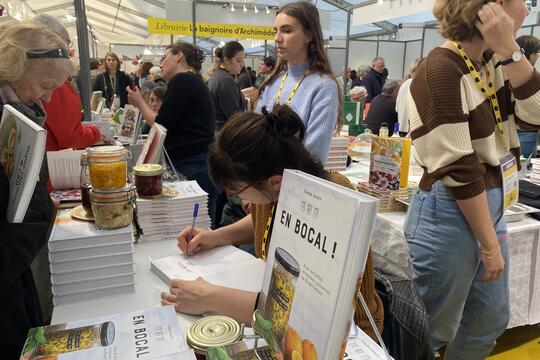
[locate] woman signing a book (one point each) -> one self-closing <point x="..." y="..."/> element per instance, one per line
<point x="247" y="159"/>
<point x="34" y="62"/>
<point x="468" y="96"/>
<point x="187" y="112"/>
<point x="303" y="76"/>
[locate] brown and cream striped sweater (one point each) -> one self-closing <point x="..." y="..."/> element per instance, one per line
<point x="453" y="127"/>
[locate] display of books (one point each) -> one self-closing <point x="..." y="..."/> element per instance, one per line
<point x="389" y="162"/>
<point x="88" y="262"/>
<point x="162" y="218"/>
<point x="144" y="334"/>
<point x="225" y="266"/>
<point x="65" y="169"/>
<point x="315" y="259"/>
<point x="22" y="147"/>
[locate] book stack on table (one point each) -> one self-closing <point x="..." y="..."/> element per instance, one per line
<point x="164" y="216"/>
<point x="337" y="156"/>
<point x="86" y="262"/>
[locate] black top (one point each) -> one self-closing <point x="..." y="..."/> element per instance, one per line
<point x="19" y="245"/>
<point x="188" y="114"/>
<point x="244" y="81"/>
<point x="103" y="83"/>
<point x="383" y="109"/>
<point x="228" y="99"/>
<point x="373" y="82"/>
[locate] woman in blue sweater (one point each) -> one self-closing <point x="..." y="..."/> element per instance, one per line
<point x="303" y="77"/>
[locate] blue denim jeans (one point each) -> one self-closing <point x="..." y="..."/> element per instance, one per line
<point x="464" y="313"/>
<point x="196" y="168"/>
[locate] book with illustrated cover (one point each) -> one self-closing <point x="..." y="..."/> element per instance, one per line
<point x="314" y="261"/>
<point x="22" y="148"/>
<point x="144" y="334"/>
<point x="389" y="162"/>
<point x="129" y="124"/>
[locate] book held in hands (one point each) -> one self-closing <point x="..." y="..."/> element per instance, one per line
<point x="22" y="148"/>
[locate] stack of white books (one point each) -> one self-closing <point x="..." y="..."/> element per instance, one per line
<point x="337" y="156"/>
<point x="88" y="262"/>
<point x="163" y="218"/>
<point x="535" y="172"/>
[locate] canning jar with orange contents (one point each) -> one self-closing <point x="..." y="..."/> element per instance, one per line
<point x="108" y="167"/>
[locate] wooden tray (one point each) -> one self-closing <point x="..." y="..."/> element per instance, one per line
<point x="80" y="213"/>
<point x="387" y="198"/>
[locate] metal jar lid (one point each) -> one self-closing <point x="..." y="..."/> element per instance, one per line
<point x="147" y="170"/>
<point x="213" y="331"/>
<point x="107" y="333"/>
<point x="105" y="153"/>
<point x="287" y="262"/>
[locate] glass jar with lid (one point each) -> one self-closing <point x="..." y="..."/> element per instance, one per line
<point x="108" y="167"/>
<point x="281" y="291"/>
<point x="212" y="331"/>
<point x="85" y="183"/>
<point x="148" y="179"/>
<point x="113" y="209"/>
<point x="81" y="338"/>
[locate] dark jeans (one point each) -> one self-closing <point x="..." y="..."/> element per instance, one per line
<point x="196" y="168"/>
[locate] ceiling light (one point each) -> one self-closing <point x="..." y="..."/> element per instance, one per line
<point x="380" y="2"/>
<point x="222" y="43"/>
<point x="267" y="10"/>
<point x="256" y="10"/>
<point x="245" y="8"/>
<point x="232" y="8"/>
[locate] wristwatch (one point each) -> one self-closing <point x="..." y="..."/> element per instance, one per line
<point x="516" y="57"/>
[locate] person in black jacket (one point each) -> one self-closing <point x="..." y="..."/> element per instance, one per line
<point x="383" y="108"/>
<point x="188" y="114"/>
<point x="228" y="99"/>
<point x="375" y="78"/>
<point x="113" y="82"/>
<point x="28" y="74"/>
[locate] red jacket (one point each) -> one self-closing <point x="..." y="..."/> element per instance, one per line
<point x="63" y="124"/>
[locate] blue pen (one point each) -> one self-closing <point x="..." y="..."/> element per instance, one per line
<point x="195" y="213"/>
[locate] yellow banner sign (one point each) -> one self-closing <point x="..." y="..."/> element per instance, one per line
<point x="235" y="31"/>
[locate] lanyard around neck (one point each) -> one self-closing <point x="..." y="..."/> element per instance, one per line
<point x="490" y="93"/>
<point x="267" y="232"/>
<point x="291" y="95"/>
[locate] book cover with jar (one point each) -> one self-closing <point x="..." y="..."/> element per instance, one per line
<point x="389" y="162"/>
<point x="22" y="148"/>
<point x="319" y="245"/>
<point x="144" y="334"/>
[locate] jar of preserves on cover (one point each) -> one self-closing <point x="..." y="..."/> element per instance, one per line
<point x="81" y="338"/>
<point x="108" y="167"/>
<point x="113" y="209"/>
<point x="148" y="179"/>
<point x="212" y="331"/>
<point x="281" y="291"/>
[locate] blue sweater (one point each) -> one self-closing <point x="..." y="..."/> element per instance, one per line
<point x="316" y="102"/>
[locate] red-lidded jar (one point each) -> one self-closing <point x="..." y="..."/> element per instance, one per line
<point x="148" y="179"/>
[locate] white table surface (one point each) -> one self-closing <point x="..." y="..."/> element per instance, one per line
<point x="148" y="288"/>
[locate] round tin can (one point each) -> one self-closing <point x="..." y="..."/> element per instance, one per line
<point x="213" y="331"/>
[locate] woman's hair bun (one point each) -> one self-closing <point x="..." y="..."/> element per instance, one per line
<point x="283" y="122"/>
<point x="219" y="52"/>
<point x="201" y="56"/>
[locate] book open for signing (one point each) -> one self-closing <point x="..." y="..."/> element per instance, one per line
<point x="318" y="250"/>
<point x="22" y="147"/>
<point x="144" y="334"/>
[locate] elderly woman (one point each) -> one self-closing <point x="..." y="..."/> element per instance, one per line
<point x="34" y="62"/>
<point x="467" y="96"/>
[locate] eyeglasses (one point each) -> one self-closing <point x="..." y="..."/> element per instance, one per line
<point x="48" y="54"/>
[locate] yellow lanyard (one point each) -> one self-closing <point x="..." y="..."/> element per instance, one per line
<point x="489" y="94"/>
<point x="267" y="232"/>
<point x="293" y="90"/>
